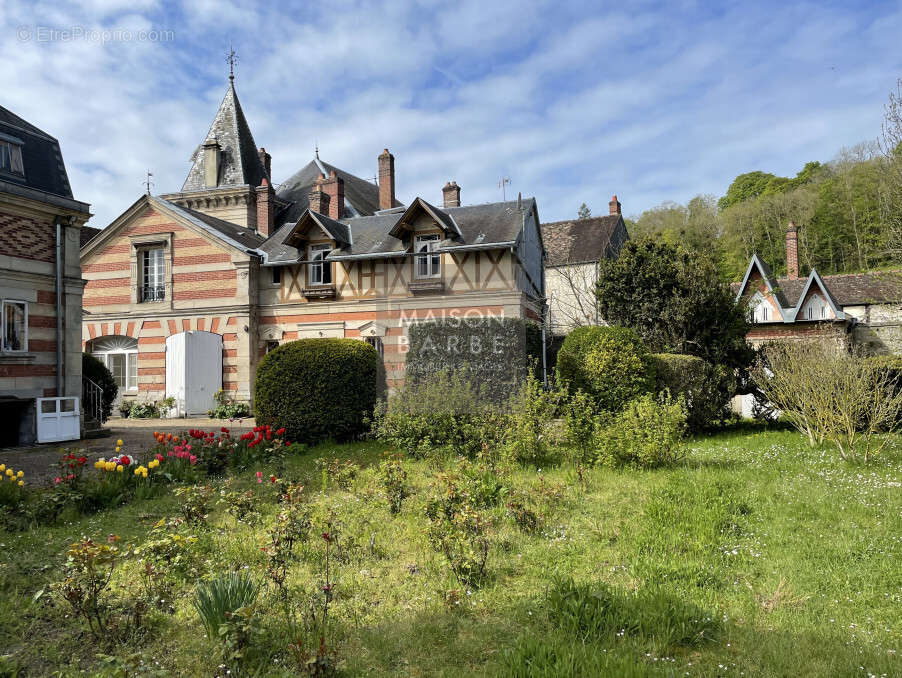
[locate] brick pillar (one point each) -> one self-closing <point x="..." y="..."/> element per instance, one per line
<point x="792" y="251"/>
<point x="319" y="199"/>
<point x="386" y="180"/>
<point x="451" y="194"/>
<point x="265" y="215"/>
<point x="614" y="207"/>
<point x="334" y="187"/>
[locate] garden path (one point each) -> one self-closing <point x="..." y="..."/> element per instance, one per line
<point x="38" y="462"/>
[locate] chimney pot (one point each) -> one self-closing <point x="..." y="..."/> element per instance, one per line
<point x="614" y="206"/>
<point x="451" y="194"/>
<point x="319" y="200"/>
<point x="386" y="180"/>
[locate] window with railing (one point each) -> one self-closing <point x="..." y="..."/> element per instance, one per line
<point x="152" y="286"/>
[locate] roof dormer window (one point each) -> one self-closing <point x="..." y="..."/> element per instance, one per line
<point x="11" y="155"/>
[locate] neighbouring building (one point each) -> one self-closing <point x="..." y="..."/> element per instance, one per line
<point x="325" y="254"/>
<point x="40" y="288"/>
<point x="574" y="250"/>
<point x="863" y="309"/>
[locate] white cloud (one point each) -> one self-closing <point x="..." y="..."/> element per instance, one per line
<point x="572" y="101"/>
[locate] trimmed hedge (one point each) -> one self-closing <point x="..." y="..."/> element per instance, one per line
<point x="97" y="372"/>
<point x="318" y="389"/>
<point x="611" y="364"/>
<point x="493" y="354"/>
<point x="706" y="388"/>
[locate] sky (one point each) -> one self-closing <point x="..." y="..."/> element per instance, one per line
<point x="571" y="101"/>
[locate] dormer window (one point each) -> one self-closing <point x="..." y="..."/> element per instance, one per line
<point x="11" y="155"/>
<point x="816" y="309"/>
<point x="428" y="264"/>
<point x="760" y="309"/>
<point x="320" y="269"/>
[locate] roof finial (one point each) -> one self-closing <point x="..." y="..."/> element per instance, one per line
<point x="316" y="148"/>
<point x="147" y="182"/>
<point x="232" y="58"/>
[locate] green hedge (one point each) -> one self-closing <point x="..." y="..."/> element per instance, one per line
<point x="493" y="354"/>
<point x="706" y="388"/>
<point x="611" y="364"/>
<point x="97" y="372"/>
<point x="318" y="389"/>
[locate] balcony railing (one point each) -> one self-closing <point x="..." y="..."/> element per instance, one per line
<point x="151" y="293"/>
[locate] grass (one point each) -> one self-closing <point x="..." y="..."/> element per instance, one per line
<point x="756" y="556"/>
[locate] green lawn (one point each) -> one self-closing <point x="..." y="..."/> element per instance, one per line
<point x="756" y="556"/>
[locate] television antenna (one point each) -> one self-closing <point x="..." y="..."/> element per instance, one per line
<point x="502" y="183"/>
<point x="147" y="181"/>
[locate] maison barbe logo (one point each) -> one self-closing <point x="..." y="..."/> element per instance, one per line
<point x="453" y="343"/>
<point x="87" y="34"/>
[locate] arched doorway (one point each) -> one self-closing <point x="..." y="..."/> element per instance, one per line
<point x="120" y="355"/>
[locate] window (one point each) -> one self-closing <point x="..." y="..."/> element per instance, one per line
<point x="277" y="275"/>
<point x="271" y="345"/>
<point x="320" y="270"/>
<point x="120" y="355"/>
<point x="11" y="156"/>
<point x="816" y="309"/>
<point x="15" y="325"/>
<point x="760" y="309"/>
<point x="427" y="265"/>
<point x="152" y="287"/>
<point x="376" y="343"/>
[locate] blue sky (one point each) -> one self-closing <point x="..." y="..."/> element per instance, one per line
<point x="572" y="101"/>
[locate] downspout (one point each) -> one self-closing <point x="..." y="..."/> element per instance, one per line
<point x="59" y="306"/>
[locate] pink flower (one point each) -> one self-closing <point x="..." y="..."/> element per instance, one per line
<point x="187" y="447"/>
<point x="57" y="480"/>
<point x="159" y="457"/>
<point x="192" y="459"/>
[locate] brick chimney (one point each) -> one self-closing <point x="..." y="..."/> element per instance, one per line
<point x="792" y="251"/>
<point x="211" y="162"/>
<point x="265" y="208"/>
<point x="614" y="207"/>
<point x="386" y="180"/>
<point x="319" y="199"/>
<point x="266" y="159"/>
<point x="451" y="194"/>
<point x="334" y="187"/>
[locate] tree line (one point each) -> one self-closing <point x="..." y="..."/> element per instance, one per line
<point x="848" y="210"/>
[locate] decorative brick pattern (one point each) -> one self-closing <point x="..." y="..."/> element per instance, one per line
<point x="27" y="239"/>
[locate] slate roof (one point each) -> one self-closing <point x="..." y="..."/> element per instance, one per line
<point x="86" y="234"/>
<point x="240" y="162"/>
<point x="846" y="289"/>
<point x="579" y="240"/>
<point x="361" y="196"/>
<point x="42" y="159"/>
<point x="488" y="225"/>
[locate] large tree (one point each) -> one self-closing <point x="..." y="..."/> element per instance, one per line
<point x="674" y="297"/>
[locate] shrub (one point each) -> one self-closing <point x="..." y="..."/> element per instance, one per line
<point x="125" y="408"/>
<point x="221" y="596"/>
<point x="580" y="421"/>
<point x="889" y="369"/>
<point x="830" y="393"/>
<point x="647" y="433"/>
<point x="97" y="372"/>
<point x="611" y="364"/>
<point x="393" y="478"/>
<point x="442" y="413"/>
<point x="226" y="408"/>
<point x="155" y="410"/>
<point x="706" y="388"/>
<point x="493" y="354"/>
<point x="318" y="389"/>
<point x="532" y="409"/>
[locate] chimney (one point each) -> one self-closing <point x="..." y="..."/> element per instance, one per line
<point x="211" y="162"/>
<point x="386" y="180"/>
<point x="334" y="187"/>
<point x="265" y="209"/>
<point x="266" y="159"/>
<point x="614" y="207"/>
<point x="451" y="194"/>
<point x="792" y="251"/>
<point x="319" y="199"/>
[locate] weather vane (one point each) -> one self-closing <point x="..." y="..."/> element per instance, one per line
<point x="232" y="58"/>
<point x="504" y="181"/>
<point x="147" y="182"/>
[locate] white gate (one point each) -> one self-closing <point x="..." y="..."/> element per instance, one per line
<point x="193" y="370"/>
<point x="58" y="419"/>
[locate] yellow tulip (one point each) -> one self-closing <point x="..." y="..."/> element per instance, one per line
<point x="20" y="474"/>
<point x="2" y="467"/>
<point x="21" y="483"/>
<point x="9" y="472"/>
<point x="118" y="449"/>
<point x="120" y="468"/>
<point x="119" y="442"/>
